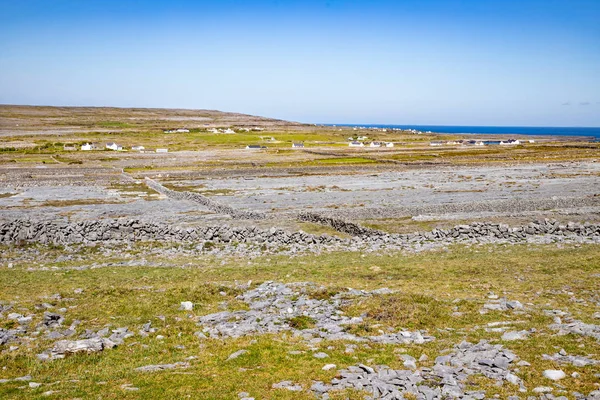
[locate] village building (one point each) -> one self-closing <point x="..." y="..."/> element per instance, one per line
<point x="113" y="146"/>
<point x="375" y="144"/>
<point x="90" y="146"/>
<point x="137" y="148"/>
<point x="69" y="147"/>
<point x="389" y="144"/>
<point x="297" y="145"/>
<point x="162" y="150"/>
<point x="253" y="147"/>
<point x="356" y="144"/>
<point x="436" y="143"/>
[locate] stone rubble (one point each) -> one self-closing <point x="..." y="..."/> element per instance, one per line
<point x="444" y="380"/>
<point x="162" y="367"/>
<point x="93" y="342"/>
<point x="563" y="358"/>
<point x="274" y="306"/>
<point x="501" y="305"/>
<point x="572" y="326"/>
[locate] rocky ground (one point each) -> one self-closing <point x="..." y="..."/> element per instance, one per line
<point x="328" y="274"/>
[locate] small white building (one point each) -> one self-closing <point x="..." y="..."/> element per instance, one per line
<point x="87" y="147"/>
<point x="253" y="147"/>
<point x="510" y="142"/>
<point x="436" y="143"/>
<point x="137" y="148"/>
<point x="228" y="130"/>
<point x="114" y="146"/>
<point x="162" y="150"/>
<point x="69" y="147"/>
<point x="180" y="130"/>
<point x="297" y="145"/>
<point x="375" y="144"/>
<point x="356" y="144"/>
<point x="389" y="144"/>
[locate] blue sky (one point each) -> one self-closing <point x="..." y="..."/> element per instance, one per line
<point x="469" y="62"/>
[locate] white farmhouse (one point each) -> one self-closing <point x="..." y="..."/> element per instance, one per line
<point x="137" y="148"/>
<point x="87" y="147"/>
<point x="114" y="146"/>
<point x="162" y="150"/>
<point x="356" y="144"/>
<point x="297" y="145"/>
<point x="389" y="144"/>
<point x="375" y="144"/>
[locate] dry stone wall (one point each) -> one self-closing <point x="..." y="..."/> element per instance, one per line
<point x="204" y="201"/>
<point x="123" y="229"/>
<point x="338" y="224"/>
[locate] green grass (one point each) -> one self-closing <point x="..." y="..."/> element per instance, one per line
<point x="429" y="287"/>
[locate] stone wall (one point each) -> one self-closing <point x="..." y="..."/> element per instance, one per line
<point x="123" y="229"/>
<point x="204" y="201"/>
<point x="338" y="224"/>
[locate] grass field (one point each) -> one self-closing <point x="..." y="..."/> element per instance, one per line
<point x="429" y="288"/>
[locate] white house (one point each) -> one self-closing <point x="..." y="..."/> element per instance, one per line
<point x="253" y="147"/>
<point x="357" y="144"/>
<point x="137" y="148"/>
<point x="87" y="147"/>
<point x="436" y="143"/>
<point x="180" y="130"/>
<point x="297" y="145"/>
<point x="389" y="144"/>
<point x="510" y="142"/>
<point x="162" y="150"/>
<point x="375" y="144"/>
<point x="114" y="146"/>
<point x="362" y="138"/>
<point x="69" y="147"/>
<point x="228" y="130"/>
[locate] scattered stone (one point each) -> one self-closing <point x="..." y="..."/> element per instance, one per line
<point x="327" y="367"/>
<point x="542" y="389"/>
<point x="287" y="385"/>
<point x="514" y="335"/>
<point x="578" y="361"/>
<point x="34" y="385"/>
<point x="573" y="326"/>
<point x="554" y="374"/>
<point x="187" y="306"/>
<point x="129" y="387"/>
<point x="235" y="355"/>
<point x="274" y="307"/>
<point x="445" y="380"/>
<point x="63" y="348"/>
<point x="162" y="367"/>
<point x="320" y="355"/>
<point x="52" y="320"/>
<point x="501" y="305"/>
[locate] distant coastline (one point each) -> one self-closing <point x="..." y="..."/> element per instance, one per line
<point x="490" y="130"/>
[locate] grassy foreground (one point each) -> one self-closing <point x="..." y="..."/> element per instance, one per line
<point x="430" y="288"/>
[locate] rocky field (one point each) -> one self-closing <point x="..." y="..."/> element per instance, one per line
<point x="214" y="272"/>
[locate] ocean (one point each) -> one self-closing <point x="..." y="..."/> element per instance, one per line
<point x="493" y="130"/>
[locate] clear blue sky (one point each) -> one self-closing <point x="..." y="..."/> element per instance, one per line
<point x="469" y="62"/>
